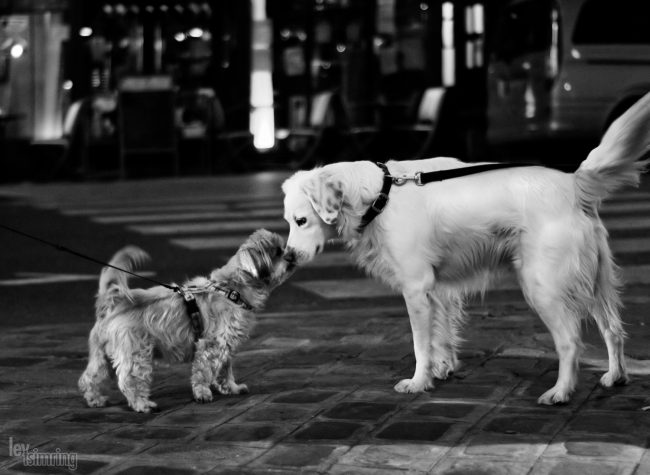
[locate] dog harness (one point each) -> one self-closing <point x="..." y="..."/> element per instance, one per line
<point x="192" y="307"/>
<point x="421" y="179"/>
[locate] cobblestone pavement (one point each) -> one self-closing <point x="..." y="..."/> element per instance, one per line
<point x="321" y="362"/>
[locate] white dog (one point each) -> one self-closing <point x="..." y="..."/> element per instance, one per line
<point x="440" y="242"/>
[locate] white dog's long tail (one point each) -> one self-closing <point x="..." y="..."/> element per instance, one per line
<point x="114" y="283"/>
<point x="617" y="161"/>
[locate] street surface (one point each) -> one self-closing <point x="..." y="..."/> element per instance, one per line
<point x="321" y="362"/>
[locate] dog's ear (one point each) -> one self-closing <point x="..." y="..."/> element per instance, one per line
<point x="326" y="196"/>
<point x="248" y="263"/>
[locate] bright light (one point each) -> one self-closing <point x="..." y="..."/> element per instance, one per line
<point x="263" y="128"/>
<point x="262" y="122"/>
<point x="196" y="32"/>
<point x="17" y="50"/>
<point x="67" y="85"/>
<point x="85" y="31"/>
<point x="179" y="37"/>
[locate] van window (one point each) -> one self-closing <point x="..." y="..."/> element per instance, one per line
<point x="619" y="22"/>
<point x="521" y="31"/>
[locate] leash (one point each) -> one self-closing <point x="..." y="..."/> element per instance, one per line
<point x="187" y="293"/>
<point x="61" y="248"/>
<point x="421" y="179"/>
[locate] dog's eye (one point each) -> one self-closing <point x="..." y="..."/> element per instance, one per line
<point x="279" y="252"/>
<point x="301" y="221"/>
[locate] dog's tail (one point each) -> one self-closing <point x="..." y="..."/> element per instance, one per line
<point x="619" y="159"/>
<point x="113" y="283"/>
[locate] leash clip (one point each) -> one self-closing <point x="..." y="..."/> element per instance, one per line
<point x="400" y="180"/>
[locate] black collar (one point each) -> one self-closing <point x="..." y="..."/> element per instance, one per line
<point x="380" y="202"/>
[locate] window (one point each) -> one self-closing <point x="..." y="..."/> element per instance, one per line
<point x="607" y="22"/>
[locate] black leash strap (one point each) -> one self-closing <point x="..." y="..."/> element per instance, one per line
<point x="441" y="175"/>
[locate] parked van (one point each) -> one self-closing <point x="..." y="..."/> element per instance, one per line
<point x="565" y="69"/>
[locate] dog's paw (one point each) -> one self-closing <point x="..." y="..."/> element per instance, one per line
<point x="412" y="386"/>
<point x="240" y="389"/>
<point x="555" y="395"/>
<point x="97" y="401"/>
<point x="143" y="405"/>
<point x="202" y="394"/>
<point x="613" y="378"/>
<point x="442" y="369"/>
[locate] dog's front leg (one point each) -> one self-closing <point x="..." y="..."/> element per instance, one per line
<point x="225" y="382"/>
<point x="209" y="358"/>
<point x="419" y="308"/>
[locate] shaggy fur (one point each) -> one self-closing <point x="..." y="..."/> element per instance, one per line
<point x="131" y="322"/>
<point x="441" y="242"/>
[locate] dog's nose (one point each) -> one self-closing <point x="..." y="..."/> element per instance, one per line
<point x="290" y="255"/>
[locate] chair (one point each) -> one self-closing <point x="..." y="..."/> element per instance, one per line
<point x="427" y="120"/>
<point x="307" y="139"/>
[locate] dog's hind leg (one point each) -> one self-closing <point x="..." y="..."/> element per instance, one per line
<point x="132" y="359"/>
<point x="555" y="283"/>
<point x="420" y="307"/>
<point x="606" y="312"/>
<point x="447" y="318"/>
<point x="97" y="374"/>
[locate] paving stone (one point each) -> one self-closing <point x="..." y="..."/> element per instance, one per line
<point x="278" y="412"/>
<point x="339" y="469"/>
<point x="36" y="433"/>
<point x="106" y="446"/>
<point x="385" y="393"/>
<point x="267" y="433"/>
<point x="304" y="397"/>
<point x="516" y="447"/>
<point x="422" y="431"/>
<point x="327" y="430"/>
<point x="150" y="433"/>
<point x="596" y="446"/>
<point x="359" y="410"/>
<point x="115" y="415"/>
<point x="455" y="390"/>
<point x="478" y="466"/>
<point x="523" y="425"/>
<point x="623" y="423"/>
<point x="447" y="410"/>
<point x="299" y="455"/>
<point x="155" y="470"/>
<point x="617" y="403"/>
<point x="402" y="456"/>
<point x="199" y="455"/>
<point x="82" y="467"/>
<point x="565" y="466"/>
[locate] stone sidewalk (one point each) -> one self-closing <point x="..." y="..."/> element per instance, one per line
<point x="320" y="370"/>
<point x="321" y="401"/>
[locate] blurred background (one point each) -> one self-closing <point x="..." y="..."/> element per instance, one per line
<point x="112" y="89"/>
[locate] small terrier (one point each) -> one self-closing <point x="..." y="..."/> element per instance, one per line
<point x="131" y="322"/>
